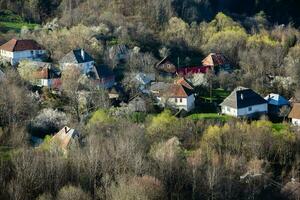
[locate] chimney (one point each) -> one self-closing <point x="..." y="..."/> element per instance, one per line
<point x="82" y="54"/>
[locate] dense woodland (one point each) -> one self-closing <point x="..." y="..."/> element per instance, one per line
<point x="146" y="155"/>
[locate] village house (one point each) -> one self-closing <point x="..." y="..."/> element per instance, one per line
<point x="65" y="137"/>
<point x="46" y="75"/>
<point x="276" y="103"/>
<point x="78" y="58"/>
<point x="16" y="50"/>
<point x="143" y="80"/>
<point x="295" y="114"/>
<point x="102" y="76"/>
<point x="175" y="95"/>
<point x="218" y="62"/>
<point x="185" y="71"/>
<point x="244" y="102"/>
<point x="166" y="68"/>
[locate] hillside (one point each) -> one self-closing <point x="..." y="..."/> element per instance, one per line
<point x="149" y="99"/>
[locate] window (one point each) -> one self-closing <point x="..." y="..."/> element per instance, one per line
<point x="249" y="109"/>
<point x="228" y="109"/>
<point x="180" y="100"/>
<point x="176" y="100"/>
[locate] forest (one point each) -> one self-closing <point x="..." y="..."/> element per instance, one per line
<point x="154" y="154"/>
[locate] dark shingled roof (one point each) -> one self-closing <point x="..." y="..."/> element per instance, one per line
<point x="75" y="56"/>
<point x="243" y="97"/>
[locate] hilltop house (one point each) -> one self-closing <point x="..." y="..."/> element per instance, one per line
<point x="174" y="95"/>
<point x="275" y="103"/>
<point x="217" y="61"/>
<point x="244" y="102"/>
<point x="15" y="50"/>
<point x="78" y="58"/>
<point x="295" y="114"/>
<point x="166" y="67"/>
<point x="46" y="75"/>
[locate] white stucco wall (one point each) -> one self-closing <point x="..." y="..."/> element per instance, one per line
<point x="17" y="56"/>
<point x="81" y="66"/>
<point x="262" y="108"/>
<point x="182" y="103"/>
<point x="296" y="122"/>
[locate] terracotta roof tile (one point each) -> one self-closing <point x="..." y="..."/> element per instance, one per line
<point x="20" y="45"/>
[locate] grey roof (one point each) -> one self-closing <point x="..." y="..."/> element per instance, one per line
<point x="243" y="97"/>
<point x="159" y="86"/>
<point x="77" y="56"/>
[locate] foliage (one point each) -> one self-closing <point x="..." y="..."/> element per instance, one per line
<point x="100" y="116"/>
<point x="162" y="123"/>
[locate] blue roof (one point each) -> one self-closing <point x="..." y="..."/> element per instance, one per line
<point x="277" y="100"/>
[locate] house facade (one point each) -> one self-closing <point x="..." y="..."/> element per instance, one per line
<point x="78" y="58"/>
<point x="46" y="75"/>
<point x="295" y="114"/>
<point x="166" y="68"/>
<point x="174" y="95"/>
<point x="218" y="62"/>
<point x="244" y="102"/>
<point x="15" y="50"/>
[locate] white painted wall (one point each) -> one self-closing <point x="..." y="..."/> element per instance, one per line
<point x="17" y="56"/>
<point x="81" y="66"/>
<point x="245" y="111"/>
<point x="182" y="103"/>
<point x="296" y="122"/>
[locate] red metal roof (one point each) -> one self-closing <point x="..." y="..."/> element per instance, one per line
<point x="193" y="70"/>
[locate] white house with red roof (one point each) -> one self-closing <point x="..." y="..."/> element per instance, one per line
<point x="179" y="95"/>
<point x="16" y="50"/>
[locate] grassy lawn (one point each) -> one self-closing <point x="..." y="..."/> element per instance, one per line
<point x="278" y="127"/>
<point x="10" y="21"/>
<point x="14" y="26"/>
<point x="214" y="116"/>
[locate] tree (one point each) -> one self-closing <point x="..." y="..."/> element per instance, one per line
<point x="71" y="86"/>
<point x="145" y="187"/>
<point x="72" y="193"/>
<point x="26" y="70"/>
<point x="16" y="103"/>
<point x="48" y="121"/>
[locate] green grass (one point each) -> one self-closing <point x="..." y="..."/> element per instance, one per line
<point x="218" y="95"/>
<point x="278" y="127"/>
<point x="206" y="116"/>
<point x="15" y="26"/>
